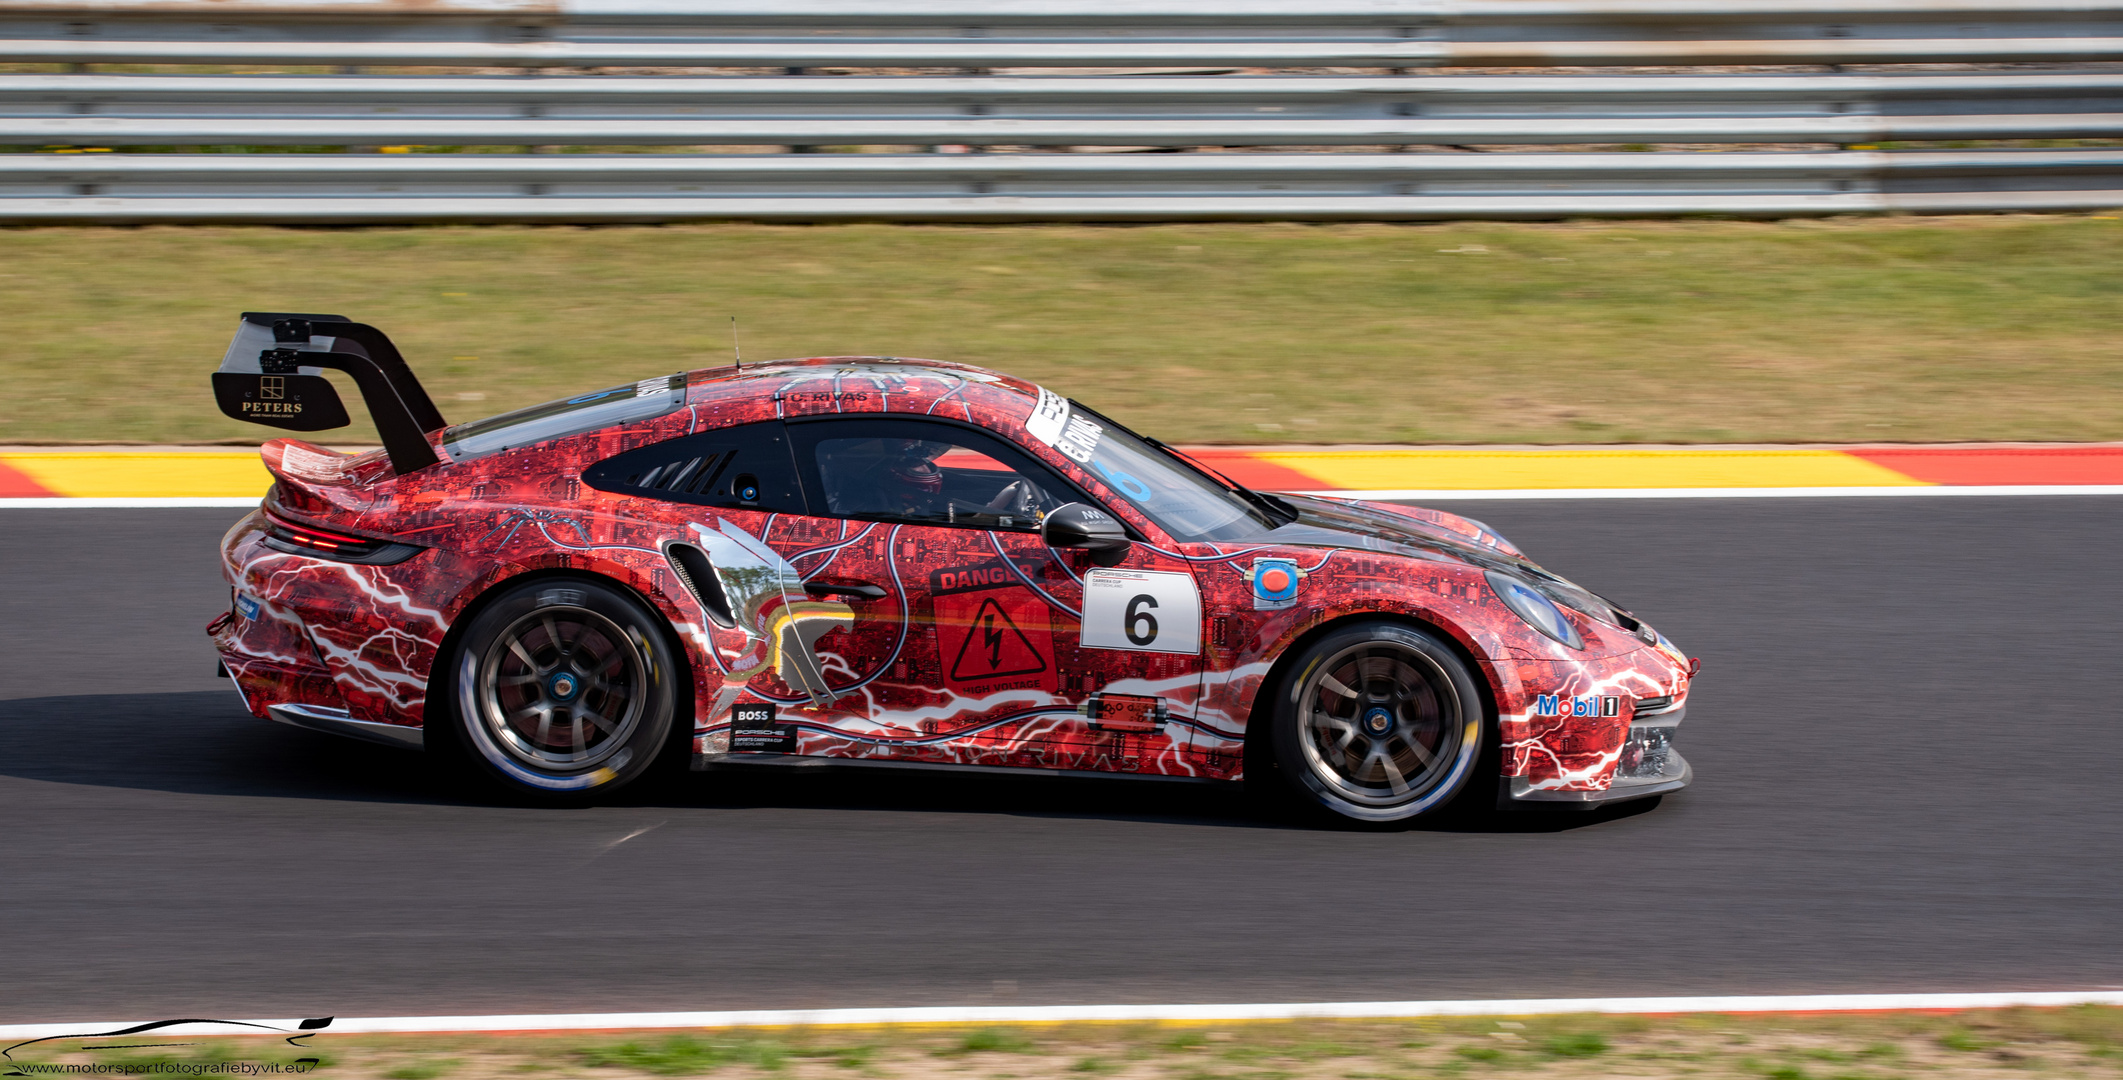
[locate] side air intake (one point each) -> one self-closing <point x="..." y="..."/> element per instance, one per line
<point x="692" y="569"/>
<point x="689" y="476"/>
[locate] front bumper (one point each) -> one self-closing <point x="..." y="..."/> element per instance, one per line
<point x="1646" y="765"/>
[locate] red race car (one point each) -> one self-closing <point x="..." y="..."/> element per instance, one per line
<point x="896" y="563"/>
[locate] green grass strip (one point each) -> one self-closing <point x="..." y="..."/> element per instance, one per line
<point x="2078" y="1042"/>
<point x="1879" y="329"/>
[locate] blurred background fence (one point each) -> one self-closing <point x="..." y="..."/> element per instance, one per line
<point x="327" y="111"/>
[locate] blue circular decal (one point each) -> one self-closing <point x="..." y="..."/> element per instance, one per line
<point x="1128" y="485"/>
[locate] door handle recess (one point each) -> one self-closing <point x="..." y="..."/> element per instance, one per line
<point x="835" y="588"/>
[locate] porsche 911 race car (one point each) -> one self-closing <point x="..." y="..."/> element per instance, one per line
<point x="896" y="562"/>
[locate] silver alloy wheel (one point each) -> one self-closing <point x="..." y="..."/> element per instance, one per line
<point x="561" y="689"/>
<point x="1380" y="724"/>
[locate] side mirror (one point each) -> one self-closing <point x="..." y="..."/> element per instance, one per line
<point x="1076" y="525"/>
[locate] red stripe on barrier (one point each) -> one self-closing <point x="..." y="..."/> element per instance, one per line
<point x="2001" y="464"/>
<point x="1242" y="466"/>
<point x="15" y="485"/>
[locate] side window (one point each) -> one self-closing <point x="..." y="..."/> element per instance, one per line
<point x="923" y="472"/>
<point x="742" y="468"/>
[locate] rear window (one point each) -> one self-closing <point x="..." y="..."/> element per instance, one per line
<point x="629" y="404"/>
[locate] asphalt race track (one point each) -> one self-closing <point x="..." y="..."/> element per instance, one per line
<point x="1905" y="738"/>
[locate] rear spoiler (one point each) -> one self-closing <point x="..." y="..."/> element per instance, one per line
<point x="272" y="375"/>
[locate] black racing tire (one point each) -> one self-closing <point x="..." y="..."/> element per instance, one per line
<point x="561" y="689"/>
<point x="1377" y="722"/>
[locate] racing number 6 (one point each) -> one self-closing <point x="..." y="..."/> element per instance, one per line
<point x="1146" y="610"/>
<point x="1135" y="614"/>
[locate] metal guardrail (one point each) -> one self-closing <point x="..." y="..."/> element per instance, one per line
<point x="989" y="34"/>
<point x="88" y="110"/>
<point x="895" y="105"/>
<point x="1003" y="187"/>
<point x="986" y="55"/>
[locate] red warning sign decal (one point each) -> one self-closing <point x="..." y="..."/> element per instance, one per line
<point x="995" y="639"/>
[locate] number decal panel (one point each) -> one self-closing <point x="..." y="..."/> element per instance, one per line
<point x="1143" y="611"/>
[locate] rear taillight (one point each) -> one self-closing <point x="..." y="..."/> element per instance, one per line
<point x="297" y="539"/>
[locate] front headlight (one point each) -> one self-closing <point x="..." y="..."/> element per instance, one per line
<point x="1674" y="652"/>
<point x="1538" y="611"/>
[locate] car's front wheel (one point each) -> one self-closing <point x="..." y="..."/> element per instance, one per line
<point x="1378" y="722"/>
<point x="563" y="688"/>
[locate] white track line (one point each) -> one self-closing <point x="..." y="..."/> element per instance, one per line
<point x="1399" y="494"/>
<point x="1047" y="1014"/>
<point x="62" y="503"/>
<point x="1919" y="491"/>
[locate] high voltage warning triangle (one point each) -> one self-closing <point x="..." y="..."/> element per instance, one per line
<point x="995" y="648"/>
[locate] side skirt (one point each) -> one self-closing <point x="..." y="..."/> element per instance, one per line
<point x="338" y="722"/>
<point x="798" y="762"/>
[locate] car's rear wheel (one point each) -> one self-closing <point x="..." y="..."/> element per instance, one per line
<point x="563" y="688"/>
<point x="1378" y="722"/>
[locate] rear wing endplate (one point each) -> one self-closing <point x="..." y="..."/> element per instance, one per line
<point x="273" y="375"/>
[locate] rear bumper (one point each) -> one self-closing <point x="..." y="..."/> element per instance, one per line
<point x="325" y="644"/>
<point x="1647" y="765"/>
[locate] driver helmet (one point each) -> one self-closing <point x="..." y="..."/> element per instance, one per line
<point x="913" y="465"/>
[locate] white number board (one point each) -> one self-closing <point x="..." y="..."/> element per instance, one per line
<point x="1142" y="610"/>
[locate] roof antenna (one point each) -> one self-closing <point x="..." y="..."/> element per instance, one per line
<point x="734" y="350"/>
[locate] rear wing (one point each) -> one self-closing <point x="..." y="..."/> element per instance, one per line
<point x="273" y="375"/>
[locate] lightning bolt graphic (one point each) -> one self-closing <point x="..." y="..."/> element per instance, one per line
<point x="993" y="639"/>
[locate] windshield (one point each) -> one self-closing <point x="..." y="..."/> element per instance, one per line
<point x="618" y="405"/>
<point x="1182" y="500"/>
